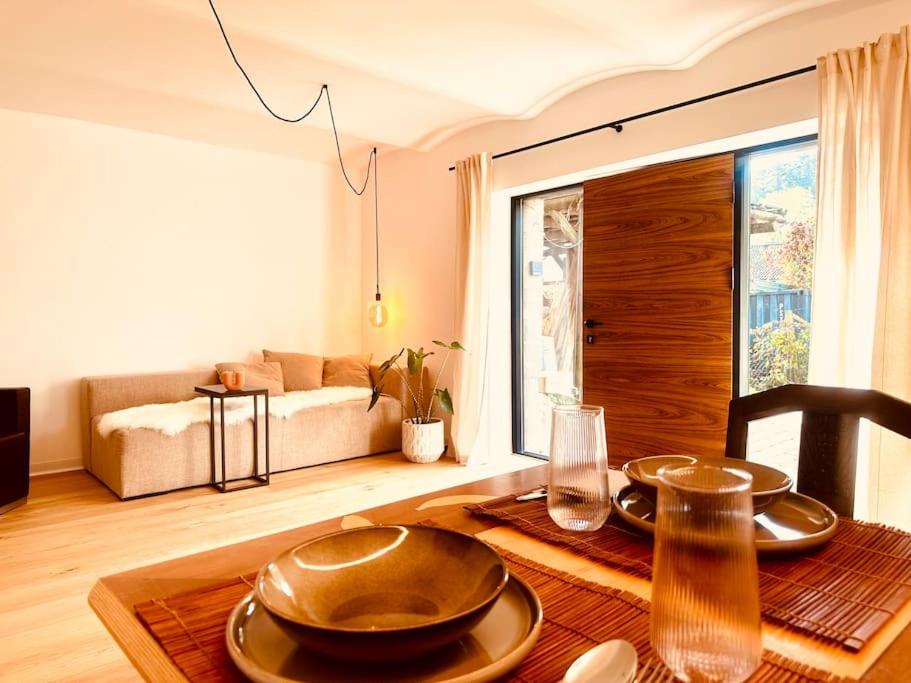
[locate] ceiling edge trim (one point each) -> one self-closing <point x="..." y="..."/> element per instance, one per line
<point x="435" y="138"/>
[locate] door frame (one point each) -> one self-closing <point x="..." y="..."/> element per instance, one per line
<point x="740" y="276"/>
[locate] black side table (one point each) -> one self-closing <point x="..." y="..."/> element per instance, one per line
<point x="220" y="392"/>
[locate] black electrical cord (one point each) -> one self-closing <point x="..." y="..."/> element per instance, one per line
<point x="376" y="219"/>
<point x="338" y="148"/>
<point x="324" y="89"/>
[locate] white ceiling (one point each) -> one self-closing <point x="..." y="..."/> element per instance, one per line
<point x="402" y="73"/>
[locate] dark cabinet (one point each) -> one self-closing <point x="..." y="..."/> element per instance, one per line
<point x="14" y="447"/>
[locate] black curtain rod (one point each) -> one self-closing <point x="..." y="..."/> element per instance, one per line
<point x="618" y="124"/>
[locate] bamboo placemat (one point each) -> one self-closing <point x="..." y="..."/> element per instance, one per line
<point x="578" y="614"/>
<point x="842" y="594"/>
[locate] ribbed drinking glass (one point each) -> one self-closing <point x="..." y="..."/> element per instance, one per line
<point x="705" y="622"/>
<point x="578" y="496"/>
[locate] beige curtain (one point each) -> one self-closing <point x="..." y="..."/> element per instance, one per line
<point x="473" y="283"/>
<point x="862" y="282"/>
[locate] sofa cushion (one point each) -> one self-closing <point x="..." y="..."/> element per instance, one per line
<point x="347" y="371"/>
<point x="265" y="375"/>
<point x="300" y="371"/>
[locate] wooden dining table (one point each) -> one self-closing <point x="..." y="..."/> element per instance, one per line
<point x="886" y="658"/>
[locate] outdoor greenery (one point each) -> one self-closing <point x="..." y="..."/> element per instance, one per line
<point x="779" y="353"/>
<point x="797" y="255"/>
<point x="780" y="350"/>
<point x="423" y="414"/>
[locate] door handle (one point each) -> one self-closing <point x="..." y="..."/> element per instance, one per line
<point x="592" y="323"/>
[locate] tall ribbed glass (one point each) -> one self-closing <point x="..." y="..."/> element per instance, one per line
<point x="578" y="496"/>
<point x="705" y="622"/>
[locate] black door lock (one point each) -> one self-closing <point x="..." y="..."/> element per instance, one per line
<point x="589" y="339"/>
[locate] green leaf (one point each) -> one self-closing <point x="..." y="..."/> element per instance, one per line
<point x="415" y="361"/>
<point x="445" y="399"/>
<point x="389" y="363"/>
<point x="439" y="343"/>
<point x="374" y="397"/>
<point x="456" y="346"/>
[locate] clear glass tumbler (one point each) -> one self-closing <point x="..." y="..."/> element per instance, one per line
<point x="578" y="495"/>
<point x="705" y="622"/>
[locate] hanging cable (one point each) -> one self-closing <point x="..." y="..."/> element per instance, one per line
<point x="324" y="89"/>
<point x="338" y="148"/>
<point x="240" y="67"/>
<point x="376" y="218"/>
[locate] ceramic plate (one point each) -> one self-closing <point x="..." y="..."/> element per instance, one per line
<point x="265" y="654"/>
<point x="793" y="524"/>
<point x="769" y="485"/>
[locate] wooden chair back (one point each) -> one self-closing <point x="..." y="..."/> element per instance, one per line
<point x="827" y="460"/>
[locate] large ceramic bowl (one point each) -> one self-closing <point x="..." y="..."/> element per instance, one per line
<point x="382" y="592"/>
<point x="769" y="485"/>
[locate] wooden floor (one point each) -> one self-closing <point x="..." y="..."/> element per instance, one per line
<point x="73" y="531"/>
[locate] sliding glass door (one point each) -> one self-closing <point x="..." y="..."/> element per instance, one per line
<point x="777" y="212"/>
<point x="646" y="242"/>
<point x="547" y="279"/>
<point x="777" y="258"/>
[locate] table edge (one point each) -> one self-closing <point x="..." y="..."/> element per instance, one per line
<point x="150" y="660"/>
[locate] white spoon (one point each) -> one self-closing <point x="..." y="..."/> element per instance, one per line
<point x="611" y="662"/>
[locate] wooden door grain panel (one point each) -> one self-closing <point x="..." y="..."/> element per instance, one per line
<point x="657" y="273"/>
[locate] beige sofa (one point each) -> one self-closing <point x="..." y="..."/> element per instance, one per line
<point x="138" y="462"/>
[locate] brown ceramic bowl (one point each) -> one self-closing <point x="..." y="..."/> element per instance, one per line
<point x="382" y="592"/>
<point x="769" y="485"/>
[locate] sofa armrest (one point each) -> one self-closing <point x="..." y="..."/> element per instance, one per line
<point x="105" y="394"/>
<point x="11" y="445"/>
<point x="14" y="411"/>
<point x="14" y="457"/>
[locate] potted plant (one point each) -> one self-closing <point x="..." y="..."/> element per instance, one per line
<point x="422" y="435"/>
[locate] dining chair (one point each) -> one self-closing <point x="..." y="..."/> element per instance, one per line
<point x="827" y="456"/>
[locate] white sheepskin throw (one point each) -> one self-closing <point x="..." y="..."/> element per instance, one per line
<point x="173" y="418"/>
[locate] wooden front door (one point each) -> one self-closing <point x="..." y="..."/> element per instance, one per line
<point x="657" y="301"/>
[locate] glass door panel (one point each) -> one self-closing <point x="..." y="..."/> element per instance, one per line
<point x="549" y="234"/>
<point x="779" y="245"/>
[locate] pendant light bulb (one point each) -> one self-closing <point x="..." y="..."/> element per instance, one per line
<point x="376" y="313"/>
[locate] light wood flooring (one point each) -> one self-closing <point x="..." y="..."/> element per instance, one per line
<point x="73" y="531"/>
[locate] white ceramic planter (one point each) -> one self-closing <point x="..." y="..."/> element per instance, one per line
<point x="422" y="442"/>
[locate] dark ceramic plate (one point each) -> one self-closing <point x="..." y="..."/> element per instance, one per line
<point x="382" y="592"/>
<point x="769" y="485"/>
<point x="265" y="653"/>
<point x="795" y="523"/>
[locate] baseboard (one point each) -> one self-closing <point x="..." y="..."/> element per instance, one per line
<point x="55" y="466"/>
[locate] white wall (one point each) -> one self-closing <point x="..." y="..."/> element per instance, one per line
<point x="128" y="252"/>
<point x="417" y="192"/>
